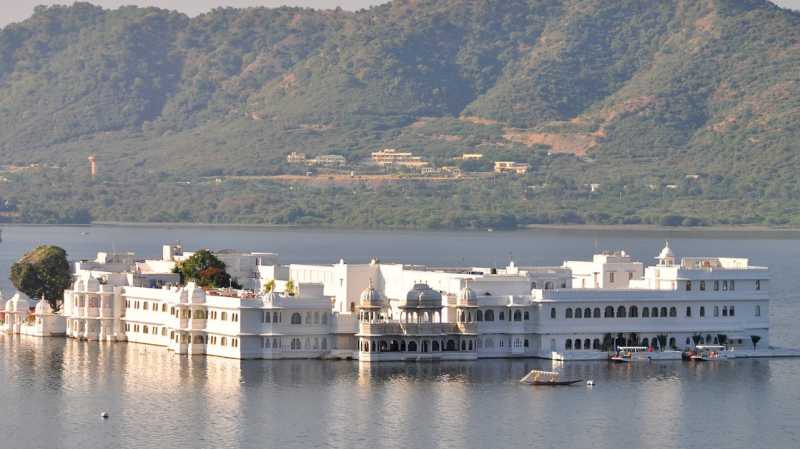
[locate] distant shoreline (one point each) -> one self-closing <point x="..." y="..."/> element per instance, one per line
<point x="759" y="229"/>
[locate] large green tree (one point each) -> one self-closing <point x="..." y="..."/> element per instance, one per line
<point x="43" y="272"/>
<point x="205" y="269"/>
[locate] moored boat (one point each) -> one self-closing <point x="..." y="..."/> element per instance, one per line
<point x="548" y="378"/>
<point x="710" y="353"/>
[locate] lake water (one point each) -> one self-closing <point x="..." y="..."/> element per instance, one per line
<point x="53" y="390"/>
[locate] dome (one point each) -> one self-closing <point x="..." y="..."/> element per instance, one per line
<point x="421" y="295"/>
<point x="43" y="307"/>
<point x="666" y="256"/>
<point x="370" y="297"/>
<point x="467" y="297"/>
<point x="18" y="303"/>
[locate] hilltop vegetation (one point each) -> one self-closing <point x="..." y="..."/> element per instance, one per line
<point x="682" y="111"/>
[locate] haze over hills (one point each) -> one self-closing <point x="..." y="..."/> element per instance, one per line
<point x="683" y="112"/>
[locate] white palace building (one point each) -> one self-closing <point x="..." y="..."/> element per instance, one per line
<point x="393" y="312"/>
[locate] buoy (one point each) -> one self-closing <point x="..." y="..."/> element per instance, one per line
<point x="589" y="383"/>
<point x="104" y="415"/>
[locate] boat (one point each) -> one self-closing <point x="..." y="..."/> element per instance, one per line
<point x="549" y="378"/>
<point x="627" y="354"/>
<point x="710" y="353"/>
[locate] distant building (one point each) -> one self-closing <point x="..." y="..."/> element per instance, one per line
<point x="328" y="160"/>
<point x="296" y="158"/>
<point x="471" y="156"/>
<point x="511" y="167"/>
<point x="390" y="156"/>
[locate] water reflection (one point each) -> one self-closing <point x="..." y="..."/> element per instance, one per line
<point x="157" y="399"/>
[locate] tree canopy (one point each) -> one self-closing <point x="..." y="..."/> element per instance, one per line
<point x="43" y="273"/>
<point x="206" y="270"/>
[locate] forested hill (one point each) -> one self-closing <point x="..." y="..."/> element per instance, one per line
<point x="630" y="94"/>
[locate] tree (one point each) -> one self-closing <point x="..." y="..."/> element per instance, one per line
<point x="205" y="269"/>
<point x="755" y="339"/>
<point x="662" y="342"/>
<point x="269" y="286"/>
<point x="290" y="288"/>
<point x="696" y="339"/>
<point x="43" y="273"/>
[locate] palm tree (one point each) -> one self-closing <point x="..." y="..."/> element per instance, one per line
<point x="696" y="339"/>
<point x="755" y="339"/>
<point x="662" y="342"/>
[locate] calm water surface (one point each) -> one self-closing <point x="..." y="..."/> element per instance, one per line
<point x="53" y="390"/>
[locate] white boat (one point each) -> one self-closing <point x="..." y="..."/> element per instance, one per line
<point x="710" y="353"/>
<point x="627" y="354"/>
<point x="550" y="378"/>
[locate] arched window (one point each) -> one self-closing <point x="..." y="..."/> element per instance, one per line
<point x="621" y="312"/>
<point x="587" y="344"/>
<point x="527" y="316"/>
<point x="435" y="346"/>
<point x="568" y="313"/>
<point x="724" y="310"/>
<point x="597" y="312"/>
<point x="296" y="318"/>
<point x="702" y="311"/>
<point x="568" y="344"/>
<point x="673" y="312"/>
<point x="688" y="341"/>
<point x="553" y="313"/>
<point x="451" y="345"/>
<point x="587" y="313"/>
<point x="517" y="315"/>
<point x="609" y="313"/>
<point x="672" y="343"/>
<point x="578" y="343"/>
<point x="596" y="344"/>
<point x="463" y="345"/>
<point x="479" y="315"/>
<point x="688" y="311"/>
<point x="663" y="313"/>
<point x="578" y="312"/>
<point x="654" y="312"/>
<point x="489" y="316"/>
<point x="645" y="312"/>
<point x="633" y="312"/>
<point x="502" y="316"/>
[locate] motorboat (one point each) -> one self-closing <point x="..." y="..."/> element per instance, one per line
<point x="547" y="378"/>
<point x="626" y="354"/>
<point x="710" y="353"/>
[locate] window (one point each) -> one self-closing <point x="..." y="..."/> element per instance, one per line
<point x="621" y="312"/>
<point x="527" y="316"/>
<point x="490" y="315"/>
<point x="224" y="316"/>
<point x="633" y="312"/>
<point x="732" y="285"/>
<point x="689" y="310"/>
<point x="578" y="343"/>
<point x="596" y="312"/>
<point x="688" y="286"/>
<point x="758" y="310"/>
<point x="223" y="341"/>
<point x="145" y="305"/>
<point x="587" y="313"/>
<point x="758" y="284"/>
<point x="663" y="313"/>
<point x="265" y="317"/>
<point x="732" y="311"/>
<point x="297" y="319"/>
<point x="724" y="310"/>
<point x="724" y="286"/>
<point x="702" y="311"/>
<point x="578" y="312"/>
<point x="552" y="313"/>
<point x="526" y="343"/>
<point x="645" y="312"/>
<point x="702" y="286"/>
<point x="654" y="312"/>
<point x="587" y="344"/>
<point x="716" y="286"/>
<point x="517" y="315"/>
<point x="716" y="311"/>
<point x="568" y="313"/>
<point x="609" y="312"/>
<point x="611" y="276"/>
<point x="673" y="312"/>
<point x="568" y="344"/>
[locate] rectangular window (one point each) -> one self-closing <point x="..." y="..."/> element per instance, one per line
<point x="224" y="316"/>
<point x="611" y="276"/>
<point x="724" y="286"/>
<point x="758" y="284"/>
<point x="702" y="286"/>
<point x="688" y="286"/>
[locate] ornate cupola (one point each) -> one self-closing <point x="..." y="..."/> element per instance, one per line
<point x="666" y="258"/>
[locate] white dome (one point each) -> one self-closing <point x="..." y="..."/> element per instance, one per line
<point x="370" y="297"/>
<point x="421" y="295"/>
<point x="18" y="303"/>
<point x="43" y="307"/>
<point x="467" y="296"/>
<point x="666" y="254"/>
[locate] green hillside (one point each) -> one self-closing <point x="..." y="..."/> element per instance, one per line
<point x="679" y="111"/>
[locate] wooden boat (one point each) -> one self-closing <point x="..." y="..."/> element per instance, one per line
<point x="547" y="378"/>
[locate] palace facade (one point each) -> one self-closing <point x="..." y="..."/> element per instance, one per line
<point x="394" y="312"/>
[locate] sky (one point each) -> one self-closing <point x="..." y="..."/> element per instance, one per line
<point x="16" y="10"/>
